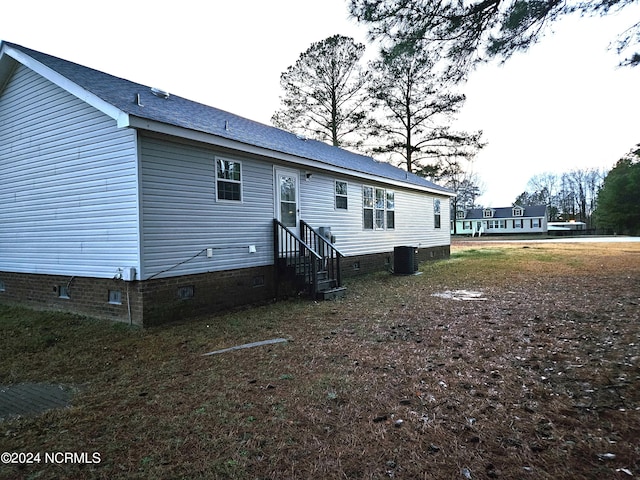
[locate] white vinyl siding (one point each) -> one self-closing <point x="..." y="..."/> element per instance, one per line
<point x="69" y="183"/>
<point x="413" y="217"/>
<point x="181" y="216"/>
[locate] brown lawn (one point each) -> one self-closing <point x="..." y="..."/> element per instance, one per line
<point x="537" y="377"/>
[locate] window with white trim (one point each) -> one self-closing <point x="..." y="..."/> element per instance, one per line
<point x="460" y="214"/>
<point x="518" y="212"/>
<point x="228" y="179"/>
<point x="436" y="214"/>
<point x="378" y="208"/>
<point x="341" y="195"/>
<point x="535" y="223"/>
<point x="391" y="210"/>
<point x="380" y="201"/>
<point x="517" y="223"/>
<point x="487" y="213"/>
<point x="367" y="207"/>
<point x="496" y="224"/>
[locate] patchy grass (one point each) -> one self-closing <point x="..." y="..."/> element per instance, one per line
<point x="541" y="380"/>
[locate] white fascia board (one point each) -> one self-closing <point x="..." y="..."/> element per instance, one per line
<point x="180" y="132"/>
<point x="66" y="84"/>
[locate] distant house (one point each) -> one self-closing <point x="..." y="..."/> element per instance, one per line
<point x="125" y="202"/>
<point x="503" y="220"/>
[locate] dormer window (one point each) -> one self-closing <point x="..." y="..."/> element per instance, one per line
<point x="518" y="211"/>
<point x="460" y="215"/>
<point x="487" y="213"/>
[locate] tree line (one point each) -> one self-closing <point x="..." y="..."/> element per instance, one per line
<point x="608" y="201"/>
<point x="568" y="196"/>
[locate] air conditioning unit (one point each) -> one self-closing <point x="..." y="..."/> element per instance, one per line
<point x="405" y="260"/>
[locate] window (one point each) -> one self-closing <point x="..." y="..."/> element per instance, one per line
<point x="518" y="212"/>
<point x="535" y="223"/>
<point x="459" y="214"/>
<point x="487" y="213"/>
<point x="341" y="195"/>
<point x="497" y="224"/>
<point x="466" y="225"/>
<point x="367" y="207"/>
<point x="380" y="201"/>
<point x="229" y="179"/>
<point x="517" y="223"/>
<point x="378" y="206"/>
<point x="436" y="213"/>
<point x="391" y="213"/>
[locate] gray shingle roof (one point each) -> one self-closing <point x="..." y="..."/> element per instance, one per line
<point x="533" y="211"/>
<point x="181" y="112"/>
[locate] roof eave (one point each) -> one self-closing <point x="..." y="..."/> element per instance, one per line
<point x="146" y="124"/>
<point x="66" y="84"/>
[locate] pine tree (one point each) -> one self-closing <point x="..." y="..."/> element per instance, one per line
<point x="324" y="92"/>
<point x="618" y="205"/>
<point x="414" y="110"/>
<point x="473" y="31"/>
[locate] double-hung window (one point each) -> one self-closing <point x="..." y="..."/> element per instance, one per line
<point x="391" y="210"/>
<point x="341" y="195"/>
<point x="378" y="208"/>
<point x="367" y="207"/>
<point x="228" y="179"/>
<point x="436" y="214"/>
<point x="380" y="203"/>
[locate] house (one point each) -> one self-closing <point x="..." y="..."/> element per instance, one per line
<point x="504" y="220"/>
<point x="126" y="202"/>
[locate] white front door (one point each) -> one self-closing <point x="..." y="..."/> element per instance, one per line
<point x="287" y="206"/>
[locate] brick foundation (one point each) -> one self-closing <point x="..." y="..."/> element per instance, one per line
<point x="376" y="262"/>
<point x="178" y="298"/>
<point x="157" y="301"/>
<point x="81" y="295"/>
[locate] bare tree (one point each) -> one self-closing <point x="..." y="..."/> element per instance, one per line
<point x="416" y="108"/>
<point x="569" y="196"/>
<point x="325" y="92"/>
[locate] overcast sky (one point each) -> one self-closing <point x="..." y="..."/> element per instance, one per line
<point x="562" y="105"/>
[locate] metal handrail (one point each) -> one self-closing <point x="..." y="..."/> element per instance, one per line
<point x="296" y="252"/>
<point x="330" y="254"/>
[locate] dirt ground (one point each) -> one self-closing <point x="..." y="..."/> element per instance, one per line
<point x="526" y="364"/>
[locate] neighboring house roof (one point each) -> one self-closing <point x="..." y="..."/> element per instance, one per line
<point x="506" y="212"/>
<point x="176" y="111"/>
